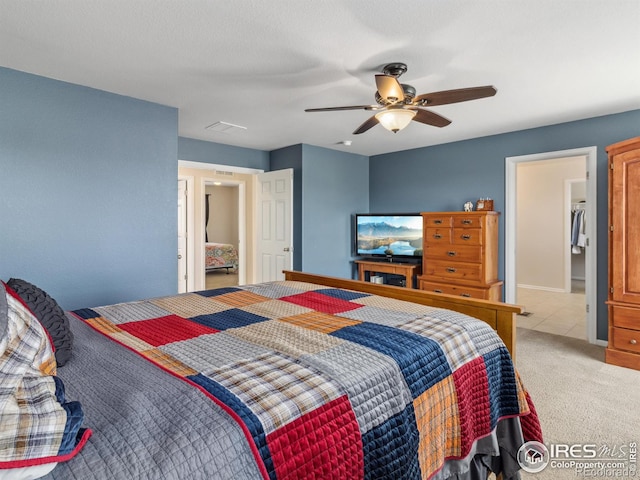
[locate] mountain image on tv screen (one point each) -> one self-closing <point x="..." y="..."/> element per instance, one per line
<point x="389" y="235"/>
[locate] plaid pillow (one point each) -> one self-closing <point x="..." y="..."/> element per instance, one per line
<point x="37" y="426"/>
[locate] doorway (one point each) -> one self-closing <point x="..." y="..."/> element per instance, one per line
<point x="537" y="227"/>
<point x="222" y="229"/>
<point x="262" y="208"/>
<point x="240" y="178"/>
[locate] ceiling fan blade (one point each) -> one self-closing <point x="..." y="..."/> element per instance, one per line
<point x="430" y="118"/>
<point x="389" y="88"/>
<point x="371" y="122"/>
<point x="454" y="96"/>
<point x="350" y="107"/>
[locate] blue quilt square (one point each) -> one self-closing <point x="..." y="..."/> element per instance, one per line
<point x="503" y="391"/>
<point x="421" y="360"/>
<point x="218" y="291"/>
<point x="86" y="313"/>
<point x="391" y="448"/>
<point x="233" y="318"/>
<point x="342" y="294"/>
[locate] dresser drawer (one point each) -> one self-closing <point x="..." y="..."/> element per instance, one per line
<point x="461" y="253"/>
<point x="468" y="222"/>
<point x="625" y="339"/>
<point x="449" y="289"/>
<point x="453" y="270"/>
<point x="437" y="236"/>
<point x="437" y="220"/>
<point x="467" y="236"/>
<point x="625" y="317"/>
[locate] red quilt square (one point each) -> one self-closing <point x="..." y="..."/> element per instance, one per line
<point x="321" y="303"/>
<point x="474" y="409"/>
<point x="324" y="443"/>
<point x="163" y="330"/>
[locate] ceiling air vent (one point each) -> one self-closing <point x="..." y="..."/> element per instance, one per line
<point x="222" y="172"/>
<point x="224" y="127"/>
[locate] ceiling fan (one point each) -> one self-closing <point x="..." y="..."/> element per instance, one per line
<point x="397" y="103"/>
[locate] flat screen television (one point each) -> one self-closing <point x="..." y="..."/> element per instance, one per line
<point x="388" y="235"/>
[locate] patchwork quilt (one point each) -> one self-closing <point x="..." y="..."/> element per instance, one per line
<point x="332" y="383"/>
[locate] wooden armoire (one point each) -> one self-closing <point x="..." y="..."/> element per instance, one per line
<point x="624" y="254"/>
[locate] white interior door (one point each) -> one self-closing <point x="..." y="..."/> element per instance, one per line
<point x="182" y="236"/>
<point x="274" y="224"/>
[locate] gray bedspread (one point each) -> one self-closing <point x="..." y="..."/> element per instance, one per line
<point x="146" y="423"/>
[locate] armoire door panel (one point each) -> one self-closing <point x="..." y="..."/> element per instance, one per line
<point x="626" y="227"/>
<point x="623" y="301"/>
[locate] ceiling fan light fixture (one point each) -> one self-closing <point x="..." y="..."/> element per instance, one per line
<point x="395" y="119"/>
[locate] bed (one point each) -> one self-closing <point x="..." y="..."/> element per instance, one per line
<point x="220" y="255"/>
<point x="310" y="377"/>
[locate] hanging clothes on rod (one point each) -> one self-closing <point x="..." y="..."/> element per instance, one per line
<point x="578" y="221"/>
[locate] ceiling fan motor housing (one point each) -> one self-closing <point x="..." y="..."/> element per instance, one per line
<point x="395" y="69"/>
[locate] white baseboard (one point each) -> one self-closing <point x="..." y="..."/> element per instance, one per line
<point x="546" y="289"/>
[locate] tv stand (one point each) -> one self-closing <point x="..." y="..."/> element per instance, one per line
<point x="409" y="271"/>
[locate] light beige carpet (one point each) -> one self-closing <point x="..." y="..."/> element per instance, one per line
<point x="579" y="398"/>
<point x="220" y="278"/>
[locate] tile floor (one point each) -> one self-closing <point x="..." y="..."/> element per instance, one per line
<point x="554" y="312"/>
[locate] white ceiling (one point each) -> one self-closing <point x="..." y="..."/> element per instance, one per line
<point x="260" y="63"/>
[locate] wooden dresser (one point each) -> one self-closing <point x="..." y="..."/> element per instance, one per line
<point x="624" y="254"/>
<point x="460" y="254"/>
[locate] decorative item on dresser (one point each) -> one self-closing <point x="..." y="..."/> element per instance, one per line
<point x="624" y="254"/>
<point x="461" y="254"/>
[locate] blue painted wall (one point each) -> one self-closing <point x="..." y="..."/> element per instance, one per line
<point x="87" y="190"/>
<point x="217" y="153"/>
<point x="443" y="177"/>
<point x="335" y="186"/>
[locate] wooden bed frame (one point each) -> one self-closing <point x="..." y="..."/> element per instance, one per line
<point x="500" y="316"/>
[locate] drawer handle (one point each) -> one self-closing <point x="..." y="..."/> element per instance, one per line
<point x="466" y="236"/>
<point x="438" y="222"/>
<point x="451" y="270"/>
<point x="452" y="254"/>
<point x="437" y="236"/>
<point x="437" y="290"/>
<point x="465" y="294"/>
<point x="633" y="341"/>
<point x="467" y="222"/>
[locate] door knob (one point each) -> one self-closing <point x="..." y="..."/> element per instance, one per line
<point x="179" y="257"/>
